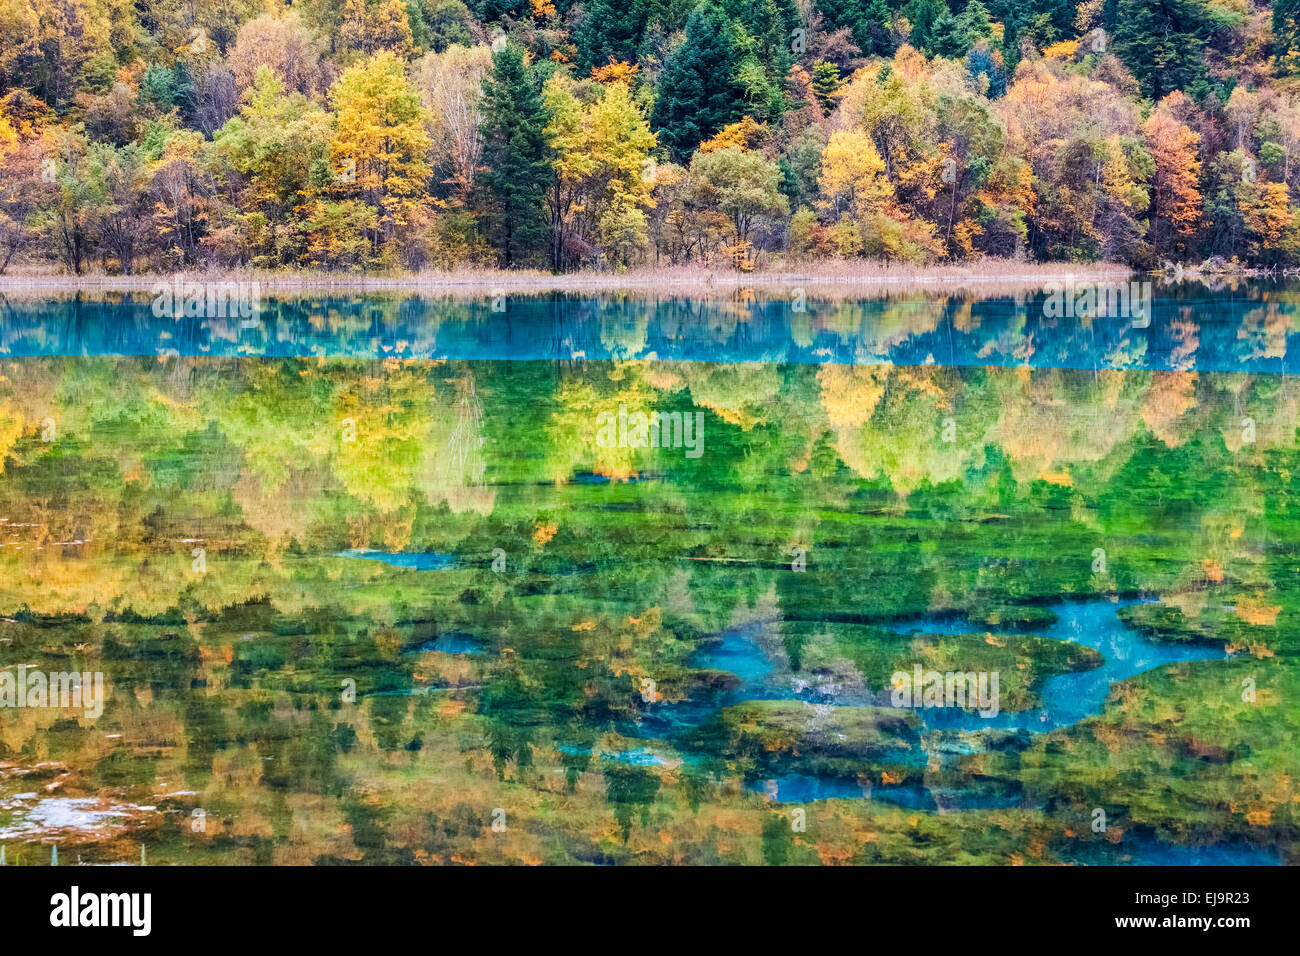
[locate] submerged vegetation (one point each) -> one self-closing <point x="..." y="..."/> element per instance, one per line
<point x="409" y="610"/>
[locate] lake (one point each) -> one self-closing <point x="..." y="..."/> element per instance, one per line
<point x="618" y="579"/>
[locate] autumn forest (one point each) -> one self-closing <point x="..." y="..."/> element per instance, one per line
<point x="400" y="135"/>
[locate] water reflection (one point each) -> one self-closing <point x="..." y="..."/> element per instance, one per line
<point x="364" y="587"/>
<point x="1186" y="327"/>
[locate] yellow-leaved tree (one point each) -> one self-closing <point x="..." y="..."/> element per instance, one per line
<point x="602" y="175"/>
<point x="379" y="151"/>
<point x="853" y="176"/>
<point x="861" y="202"/>
<point x="8" y="135"/>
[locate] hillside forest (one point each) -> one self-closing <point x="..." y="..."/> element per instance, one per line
<point x="404" y="135"/>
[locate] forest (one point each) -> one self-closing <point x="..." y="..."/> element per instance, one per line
<point x="393" y="136"/>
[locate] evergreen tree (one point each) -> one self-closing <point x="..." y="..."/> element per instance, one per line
<point x="948" y="37"/>
<point x="610" y="30"/>
<point x="826" y="81"/>
<point x="876" y="35"/>
<point x="699" y="93"/>
<point x="922" y="14"/>
<point x="1286" y="33"/>
<point x="980" y="62"/>
<point x="490" y="11"/>
<point x="1162" y="41"/>
<point x="517" y="156"/>
<point x="762" y="31"/>
<point x="870" y="21"/>
<point x="977" y="21"/>
<point x="1011" y="45"/>
<point x="1059" y="13"/>
<point x="1039" y="21"/>
<point x="767" y="24"/>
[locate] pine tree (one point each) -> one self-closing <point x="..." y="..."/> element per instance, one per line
<point x="922" y="14"/>
<point x="1162" y="41"/>
<point x="876" y="31"/>
<point x="1039" y="21"/>
<point x="769" y="24"/>
<point x="699" y="93"/>
<point x="826" y="82"/>
<point x="870" y="21"/>
<point x="1286" y="34"/>
<point x="517" y="157"/>
<point x="610" y="30"/>
<point x="1011" y="45"/>
<point x="948" y="38"/>
<point x="764" y="40"/>
<point x="977" y="20"/>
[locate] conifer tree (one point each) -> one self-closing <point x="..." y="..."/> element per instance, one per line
<point x="611" y="30"/>
<point x="870" y="21"/>
<point x="1286" y="34"/>
<point x="1162" y="41"/>
<point x="516" y="156"/>
<point x="922" y="14"/>
<point x="699" y="93"/>
<point x="948" y="37"/>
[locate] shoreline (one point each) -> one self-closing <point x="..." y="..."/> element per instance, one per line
<point x="852" y="280"/>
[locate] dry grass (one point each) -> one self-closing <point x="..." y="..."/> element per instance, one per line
<point x="826" y="280"/>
